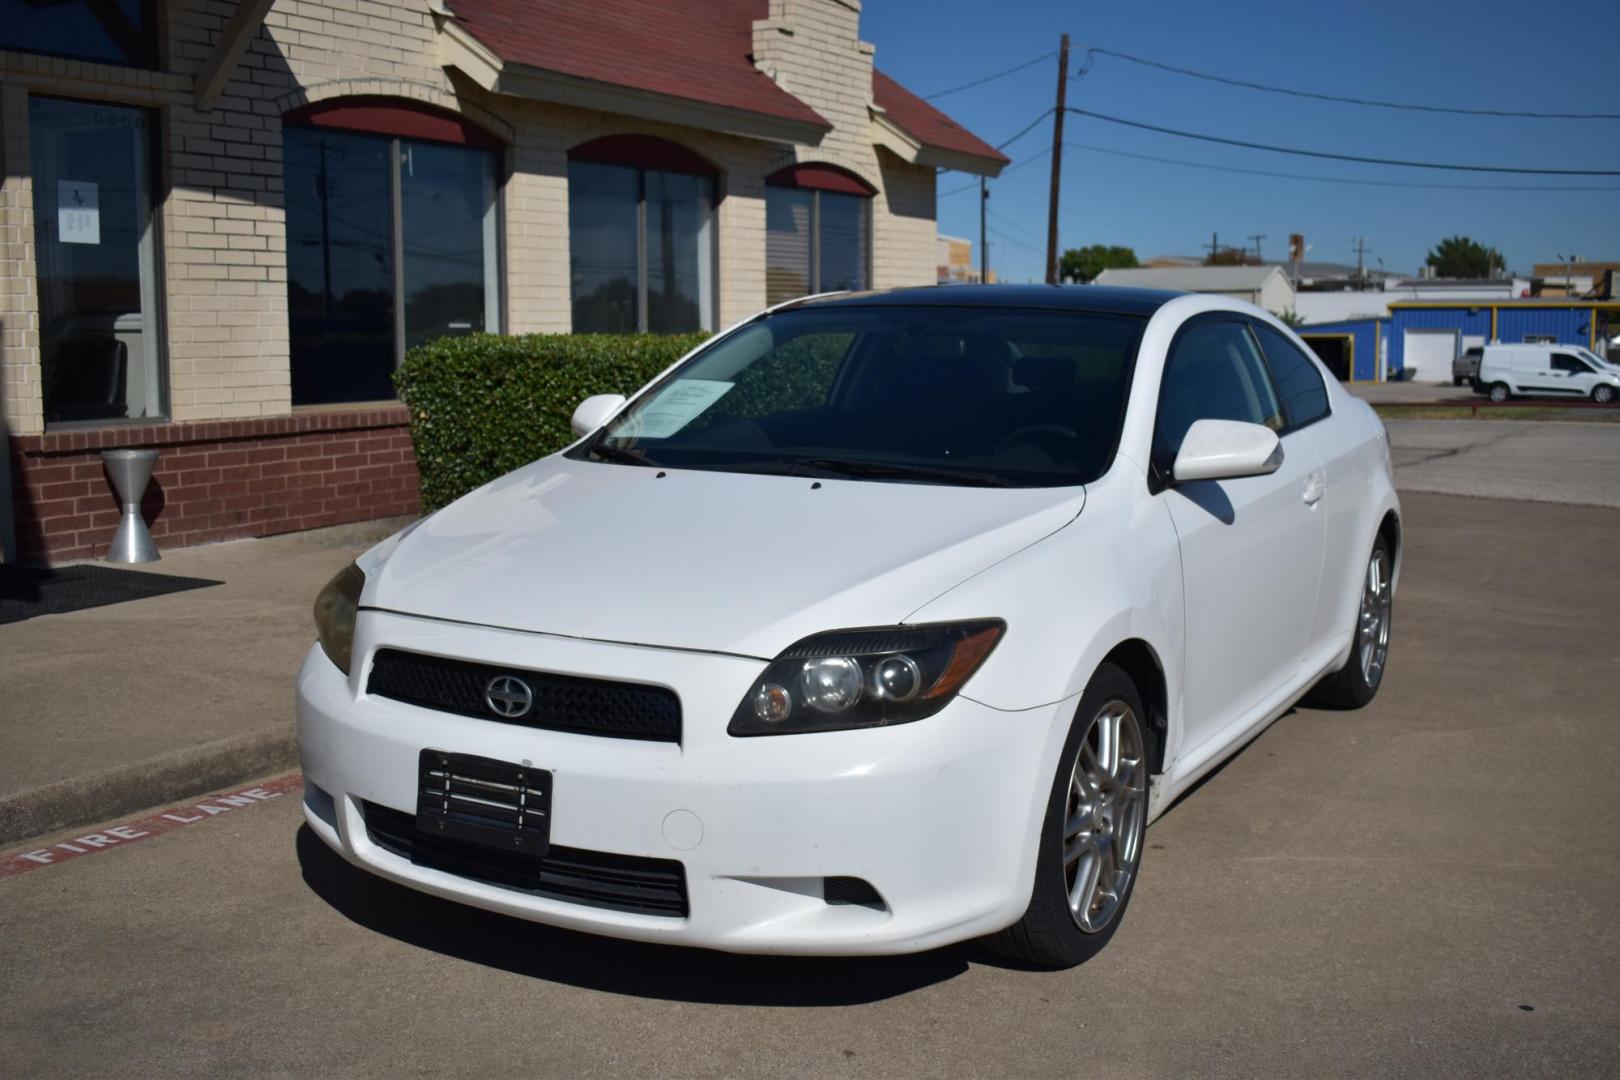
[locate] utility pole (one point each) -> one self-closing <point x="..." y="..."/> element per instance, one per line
<point x="1214" y="246"/>
<point x="984" y="235"/>
<point x="1057" y="164"/>
<point x="1361" y="261"/>
<point x="1257" y="237"/>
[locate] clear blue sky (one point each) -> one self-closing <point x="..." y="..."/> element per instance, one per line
<point x="1491" y="54"/>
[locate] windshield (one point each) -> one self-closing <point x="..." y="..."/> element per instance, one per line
<point x="1592" y="358"/>
<point x="972" y="396"/>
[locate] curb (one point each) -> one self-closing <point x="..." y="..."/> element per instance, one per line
<point x="197" y="770"/>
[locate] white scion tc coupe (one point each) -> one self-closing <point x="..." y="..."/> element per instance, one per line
<point x="880" y="621"/>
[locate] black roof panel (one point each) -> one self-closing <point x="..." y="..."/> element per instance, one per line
<point x="1100" y="298"/>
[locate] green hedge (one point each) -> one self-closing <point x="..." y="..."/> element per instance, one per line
<point x="485" y="404"/>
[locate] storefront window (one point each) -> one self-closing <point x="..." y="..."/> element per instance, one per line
<point x="641" y="238"/>
<point x="818" y="233"/>
<point x="96" y="252"/>
<point x="391" y="242"/>
<point x="109" y="31"/>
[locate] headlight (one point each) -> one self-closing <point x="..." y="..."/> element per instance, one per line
<point x="865" y="678"/>
<point x="335" y="609"/>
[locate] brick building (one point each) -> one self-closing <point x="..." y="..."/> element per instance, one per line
<point x="222" y="222"/>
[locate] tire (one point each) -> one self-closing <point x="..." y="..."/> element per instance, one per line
<point x="1603" y="395"/>
<point x="1457" y="380"/>
<point x="1051" y="934"/>
<point x="1500" y="392"/>
<point x="1357" y="682"/>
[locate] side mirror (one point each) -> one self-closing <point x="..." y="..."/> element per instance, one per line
<point x="1227" y="450"/>
<point x="594" y="411"/>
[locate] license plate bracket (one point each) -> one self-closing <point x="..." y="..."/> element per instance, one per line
<point x="495" y="804"/>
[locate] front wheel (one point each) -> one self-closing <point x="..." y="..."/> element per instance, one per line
<point x="1500" y="392"/>
<point x="1355" y="684"/>
<point x="1091" y="841"/>
<point x="1603" y="395"/>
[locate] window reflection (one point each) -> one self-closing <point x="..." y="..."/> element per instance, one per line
<point x="344" y="266"/>
<point x="109" y="31"/>
<point x="96" y="260"/>
<point x="641" y="246"/>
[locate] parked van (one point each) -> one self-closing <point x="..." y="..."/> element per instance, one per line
<point x="1564" y="371"/>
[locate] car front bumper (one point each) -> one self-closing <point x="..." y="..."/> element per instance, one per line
<point x="940" y="817"/>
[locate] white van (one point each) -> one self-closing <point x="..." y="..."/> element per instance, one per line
<point x="1564" y="371"/>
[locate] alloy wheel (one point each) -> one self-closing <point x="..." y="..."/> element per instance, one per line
<point x="1372" y="630"/>
<point x="1104" y="816"/>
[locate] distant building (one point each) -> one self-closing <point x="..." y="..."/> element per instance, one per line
<point x="957" y="266"/>
<point x="1265" y="286"/>
<point x="1578" y="278"/>
<point x="1425" y="335"/>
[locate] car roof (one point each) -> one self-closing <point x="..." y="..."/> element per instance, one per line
<point x="1102" y="299"/>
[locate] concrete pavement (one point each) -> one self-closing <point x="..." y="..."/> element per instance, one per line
<point x="1541" y="461"/>
<point x="1426" y="887"/>
<point x="121" y="707"/>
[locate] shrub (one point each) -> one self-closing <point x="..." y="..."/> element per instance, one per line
<point x="484" y="404"/>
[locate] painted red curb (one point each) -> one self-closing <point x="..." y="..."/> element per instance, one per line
<point x="175" y="817"/>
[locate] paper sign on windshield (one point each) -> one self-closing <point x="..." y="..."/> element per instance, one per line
<point x="678" y="405"/>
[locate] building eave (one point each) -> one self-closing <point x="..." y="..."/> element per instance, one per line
<point x="458" y="49"/>
<point x="900" y="142"/>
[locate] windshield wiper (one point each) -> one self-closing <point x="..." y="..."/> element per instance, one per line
<point x="899" y="470"/>
<point x="620" y="454"/>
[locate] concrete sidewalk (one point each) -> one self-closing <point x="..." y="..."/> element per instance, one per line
<point x="118" y="708"/>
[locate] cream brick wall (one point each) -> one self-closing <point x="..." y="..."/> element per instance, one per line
<point x="223" y="227"/>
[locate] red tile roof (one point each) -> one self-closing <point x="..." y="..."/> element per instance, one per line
<point x="698" y="50"/>
<point x="925" y="123"/>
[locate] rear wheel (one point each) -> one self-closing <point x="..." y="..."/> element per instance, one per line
<point x="1355" y="684"/>
<point x="1091" y="841"/>
<point x="1457" y="380"/>
<point x="1500" y="392"/>
<point x="1603" y="395"/>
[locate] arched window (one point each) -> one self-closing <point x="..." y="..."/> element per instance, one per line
<point x="393" y="239"/>
<point x="641" y="236"/>
<point x="818" y="232"/>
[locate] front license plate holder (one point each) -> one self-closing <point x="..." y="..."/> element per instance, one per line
<point x="495" y="804"/>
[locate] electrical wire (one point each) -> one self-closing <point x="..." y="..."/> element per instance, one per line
<point x="1341" y="99"/>
<point x="1014" y="167"/>
<point x="990" y="78"/>
<point x="1449" y="167"/>
<point x="1332" y="179"/>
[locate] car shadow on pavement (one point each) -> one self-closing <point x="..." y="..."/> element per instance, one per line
<point x="667" y="972"/>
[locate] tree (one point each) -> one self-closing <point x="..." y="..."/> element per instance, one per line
<point x="1084" y="264"/>
<point x="1290" y="318"/>
<point x="1231" y="256"/>
<point x="1460" y="257"/>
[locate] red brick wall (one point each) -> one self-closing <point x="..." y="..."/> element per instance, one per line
<point x="218" y="480"/>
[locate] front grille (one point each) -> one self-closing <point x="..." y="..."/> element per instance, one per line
<point x="592" y="878"/>
<point x="560" y="702"/>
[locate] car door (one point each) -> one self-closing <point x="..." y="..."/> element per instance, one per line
<point x="1252" y="548"/>
<point x="1534" y="373"/>
<point x="1570" y="376"/>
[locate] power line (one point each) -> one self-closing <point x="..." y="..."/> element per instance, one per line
<point x="1018" y="242"/>
<point x="1014" y="167"/>
<point x="991" y="78"/>
<point x="1342" y="157"/>
<point x="1025" y="130"/>
<point x="1345" y="100"/>
<point x="1332" y="179"/>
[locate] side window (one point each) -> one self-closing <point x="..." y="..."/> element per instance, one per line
<point x="1214" y="372"/>
<point x="1304" y="394"/>
<point x="1565" y="362"/>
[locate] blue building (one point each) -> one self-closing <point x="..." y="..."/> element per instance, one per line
<point x="1425" y="336"/>
<point x="1353" y="349"/>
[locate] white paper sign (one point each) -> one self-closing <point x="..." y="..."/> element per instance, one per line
<point x="78" y="212"/>
<point x="678" y="405"/>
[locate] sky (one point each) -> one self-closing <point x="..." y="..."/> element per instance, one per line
<point x="1490" y="54"/>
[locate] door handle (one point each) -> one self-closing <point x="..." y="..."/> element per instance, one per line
<point x="1314" y="489"/>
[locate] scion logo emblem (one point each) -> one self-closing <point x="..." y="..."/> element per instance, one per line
<point x="508" y="696"/>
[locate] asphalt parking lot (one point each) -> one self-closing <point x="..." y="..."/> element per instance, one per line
<point x="1429" y="886"/>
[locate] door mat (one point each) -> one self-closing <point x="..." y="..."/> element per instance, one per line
<point x="26" y="592"/>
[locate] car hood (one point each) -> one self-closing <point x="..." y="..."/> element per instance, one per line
<point x="727" y="562"/>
